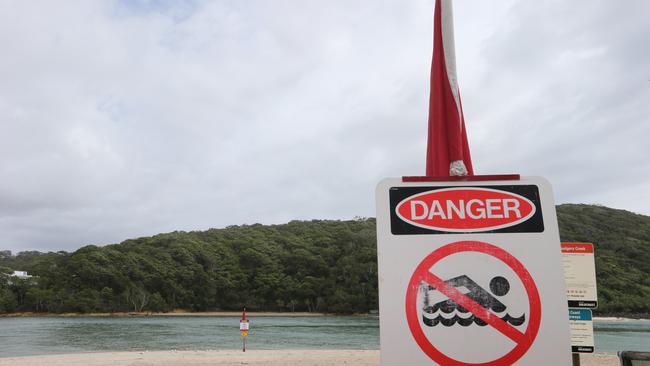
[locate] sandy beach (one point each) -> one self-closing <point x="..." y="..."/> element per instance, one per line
<point x="620" y="319"/>
<point x="232" y="357"/>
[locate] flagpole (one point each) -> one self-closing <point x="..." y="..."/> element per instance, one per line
<point x="447" y="146"/>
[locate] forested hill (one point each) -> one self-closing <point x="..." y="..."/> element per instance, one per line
<point x="325" y="266"/>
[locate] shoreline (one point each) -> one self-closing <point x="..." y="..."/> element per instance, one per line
<point x="617" y="318"/>
<point x="177" y="314"/>
<point x="180" y="313"/>
<point x="233" y="357"/>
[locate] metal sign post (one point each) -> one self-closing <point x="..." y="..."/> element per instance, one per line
<point x="244" y="327"/>
<point x="576" y="359"/>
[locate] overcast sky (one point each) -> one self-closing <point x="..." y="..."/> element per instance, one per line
<point x="121" y="119"/>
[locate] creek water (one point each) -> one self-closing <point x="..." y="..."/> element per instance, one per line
<point x="25" y="336"/>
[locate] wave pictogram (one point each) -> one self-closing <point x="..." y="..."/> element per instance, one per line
<point x="466" y="322"/>
<point x="434" y="314"/>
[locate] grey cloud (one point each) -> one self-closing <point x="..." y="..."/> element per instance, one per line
<point x="126" y="119"/>
<point x="568" y="98"/>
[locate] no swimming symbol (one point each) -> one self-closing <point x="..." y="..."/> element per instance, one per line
<point x="477" y="301"/>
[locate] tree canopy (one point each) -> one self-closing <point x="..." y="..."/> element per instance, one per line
<point x="324" y="266"/>
<point x="319" y="265"/>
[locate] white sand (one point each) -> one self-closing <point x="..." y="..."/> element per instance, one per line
<point x="231" y="357"/>
<point x="617" y="319"/>
<point x="599" y="359"/>
<point x="202" y="358"/>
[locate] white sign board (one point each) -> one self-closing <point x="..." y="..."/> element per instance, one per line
<point x="470" y="273"/>
<point x="582" y="331"/>
<point x="243" y="325"/>
<point x="580" y="275"/>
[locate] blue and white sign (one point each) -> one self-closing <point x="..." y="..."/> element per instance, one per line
<point x="582" y="331"/>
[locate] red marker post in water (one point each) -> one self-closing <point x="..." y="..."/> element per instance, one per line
<point x="243" y="328"/>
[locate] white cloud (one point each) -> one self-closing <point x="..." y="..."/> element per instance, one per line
<point x="121" y="119"/>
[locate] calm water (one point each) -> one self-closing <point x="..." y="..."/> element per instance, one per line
<point x="613" y="336"/>
<point x="33" y="336"/>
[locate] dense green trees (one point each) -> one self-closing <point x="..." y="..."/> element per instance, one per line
<point x="324" y="266"/>
<point x="327" y="266"/>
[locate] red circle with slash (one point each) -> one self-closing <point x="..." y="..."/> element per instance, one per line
<point x="422" y="273"/>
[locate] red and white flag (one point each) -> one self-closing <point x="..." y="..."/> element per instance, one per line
<point x="447" y="148"/>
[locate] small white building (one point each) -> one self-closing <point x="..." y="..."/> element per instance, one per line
<point x="20" y="274"/>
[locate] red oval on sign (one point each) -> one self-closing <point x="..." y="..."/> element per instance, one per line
<point x="465" y="209"/>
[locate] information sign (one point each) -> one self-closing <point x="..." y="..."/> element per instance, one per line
<point x="244" y="325"/>
<point x="582" y="331"/>
<point x="580" y="275"/>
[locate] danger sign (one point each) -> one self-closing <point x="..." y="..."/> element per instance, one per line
<point x="450" y="210"/>
<point x="470" y="274"/>
<point x="440" y="210"/>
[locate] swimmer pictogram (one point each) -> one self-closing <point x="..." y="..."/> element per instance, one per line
<point x="473" y="304"/>
<point x="449" y="313"/>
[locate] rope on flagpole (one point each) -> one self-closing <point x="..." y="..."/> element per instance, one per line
<point x="457" y="168"/>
